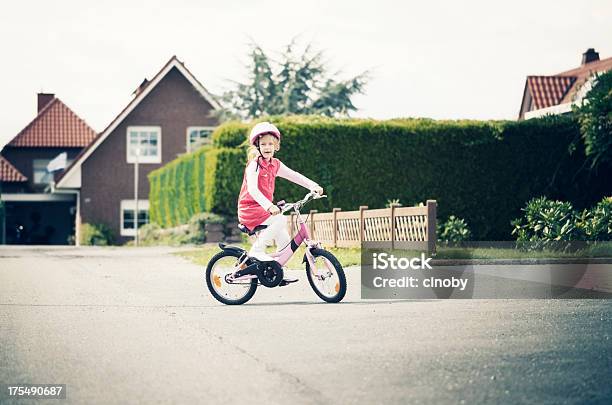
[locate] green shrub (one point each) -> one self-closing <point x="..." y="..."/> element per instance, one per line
<point x="394" y="201"/>
<point x="546" y="224"/>
<point x="454" y="230"/>
<point x="95" y="235"/>
<point x="192" y="233"/>
<point x="149" y="233"/>
<point x="595" y="118"/>
<point x="153" y="235"/>
<point x="549" y="224"/>
<point x="197" y="226"/>
<point x="596" y="224"/>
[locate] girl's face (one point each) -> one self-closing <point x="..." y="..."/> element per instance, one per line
<point x="268" y="145"/>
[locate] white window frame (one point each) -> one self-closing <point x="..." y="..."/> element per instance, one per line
<point x="144" y="159"/>
<point x="196" y="128"/>
<point x="143" y="205"/>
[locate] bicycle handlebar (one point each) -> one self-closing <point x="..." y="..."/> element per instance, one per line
<point x="299" y="204"/>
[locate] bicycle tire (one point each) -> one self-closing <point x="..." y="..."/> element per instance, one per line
<point x="341" y="292"/>
<point x="215" y="294"/>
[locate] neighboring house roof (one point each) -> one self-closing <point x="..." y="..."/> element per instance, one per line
<point x="9" y="173"/>
<point x="548" y="90"/>
<point x="67" y="178"/>
<point x="582" y="74"/>
<point x="562" y="89"/>
<point x="56" y="125"/>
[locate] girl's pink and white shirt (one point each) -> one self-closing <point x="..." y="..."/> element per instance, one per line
<point x="257" y="190"/>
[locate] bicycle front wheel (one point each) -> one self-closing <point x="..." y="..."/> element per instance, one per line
<point x="327" y="279"/>
<point x="219" y="268"/>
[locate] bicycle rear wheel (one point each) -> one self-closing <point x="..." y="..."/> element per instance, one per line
<point x="218" y="269"/>
<point x="329" y="281"/>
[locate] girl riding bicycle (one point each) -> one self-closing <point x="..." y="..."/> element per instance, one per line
<point x="255" y="206"/>
<point x="233" y="275"/>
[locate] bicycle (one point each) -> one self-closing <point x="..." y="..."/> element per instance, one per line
<point x="232" y="276"/>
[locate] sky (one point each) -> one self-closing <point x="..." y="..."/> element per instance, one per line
<point x="437" y="59"/>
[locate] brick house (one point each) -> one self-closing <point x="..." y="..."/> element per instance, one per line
<point x="32" y="214"/>
<point x="168" y="116"/>
<point x="556" y="94"/>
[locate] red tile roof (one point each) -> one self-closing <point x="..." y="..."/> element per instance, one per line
<point x="547" y="91"/>
<point x="582" y="74"/>
<point x="8" y="172"/>
<point x="56" y="125"/>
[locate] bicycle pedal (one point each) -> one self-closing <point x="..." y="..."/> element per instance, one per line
<point x="287" y="281"/>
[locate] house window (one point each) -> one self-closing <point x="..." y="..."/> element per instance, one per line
<point x="41" y="175"/>
<point x="128" y="217"/>
<point x="146" y="142"/>
<point x="198" y="136"/>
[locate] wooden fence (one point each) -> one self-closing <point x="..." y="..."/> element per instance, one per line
<point x="413" y="227"/>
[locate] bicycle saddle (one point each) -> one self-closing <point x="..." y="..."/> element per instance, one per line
<point x="254" y="231"/>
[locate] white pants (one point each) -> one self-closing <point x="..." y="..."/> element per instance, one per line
<point x="276" y="231"/>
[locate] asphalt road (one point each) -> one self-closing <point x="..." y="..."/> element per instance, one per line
<point x="128" y="325"/>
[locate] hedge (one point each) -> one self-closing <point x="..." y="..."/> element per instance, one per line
<point x="223" y="179"/>
<point x="482" y="171"/>
<point x="230" y="135"/>
<point x="176" y="190"/>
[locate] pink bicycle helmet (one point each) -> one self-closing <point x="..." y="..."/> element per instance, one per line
<point x="261" y="129"/>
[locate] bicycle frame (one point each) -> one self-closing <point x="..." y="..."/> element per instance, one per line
<point x="302" y="236"/>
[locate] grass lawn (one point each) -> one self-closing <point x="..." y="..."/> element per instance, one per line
<point x="352" y="256"/>
<point x="347" y="257"/>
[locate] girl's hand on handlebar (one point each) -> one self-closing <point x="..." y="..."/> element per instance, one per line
<point x="274" y="210"/>
<point x="318" y="190"/>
